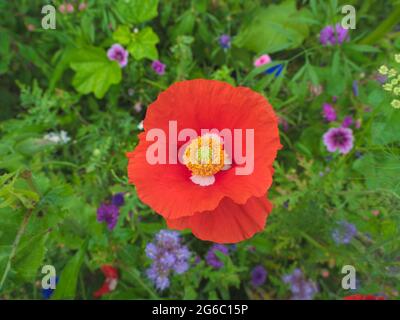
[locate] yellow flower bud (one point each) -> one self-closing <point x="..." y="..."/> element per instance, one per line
<point x="387" y="87"/>
<point x="392" y="73"/>
<point x="383" y="70"/>
<point x="396" y="104"/>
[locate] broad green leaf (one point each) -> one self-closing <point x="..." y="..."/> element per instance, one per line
<point x="137" y="11"/>
<point x="386" y="132"/>
<point x="274" y="28"/>
<point x="143" y="44"/>
<point x="122" y="35"/>
<point x="94" y="71"/>
<point x="66" y="288"/>
<point x="381" y="171"/>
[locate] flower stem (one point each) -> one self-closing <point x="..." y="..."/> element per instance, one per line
<point x="384" y="27"/>
<point x="17" y="239"/>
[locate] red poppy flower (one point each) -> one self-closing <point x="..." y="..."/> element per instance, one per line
<point x="110" y="282"/>
<point x="364" y="297"/>
<point x="206" y="182"/>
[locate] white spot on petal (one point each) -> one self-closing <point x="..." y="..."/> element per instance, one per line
<point x="227" y="162"/>
<point x="203" y="181"/>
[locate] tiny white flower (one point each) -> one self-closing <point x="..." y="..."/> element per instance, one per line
<point x="140" y="125"/>
<point x="57" y="138"/>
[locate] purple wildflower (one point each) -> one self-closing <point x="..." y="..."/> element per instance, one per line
<point x="159" y="276"/>
<point x="344" y="233"/>
<point x="258" y="276"/>
<point x="168" y="256"/>
<point x="225" y="41"/>
<point x="328" y="112"/>
<point x="300" y="287"/>
<point x="108" y="213"/>
<point x="333" y="35"/>
<point x="118" y="199"/>
<point x="381" y="78"/>
<point x="158" y="67"/>
<point x="119" y="54"/>
<point x="211" y="257"/>
<point x="339" y="139"/>
<point x="347" y="121"/>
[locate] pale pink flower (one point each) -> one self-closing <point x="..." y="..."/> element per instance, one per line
<point x="262" y="60"/>
<point x="70" y="8"/>
<point x="62" y="8"/>
<point x="82" y="6"/>
<point x="376" y="212"/>
<point x="31" y="27"/>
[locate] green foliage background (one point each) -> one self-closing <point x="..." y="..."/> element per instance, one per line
<point x="53" y="80"/>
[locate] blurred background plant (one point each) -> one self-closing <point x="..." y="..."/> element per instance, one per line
<point x="69" y="113"/>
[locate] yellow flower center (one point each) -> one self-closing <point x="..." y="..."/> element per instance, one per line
<point x="204" y="156"/>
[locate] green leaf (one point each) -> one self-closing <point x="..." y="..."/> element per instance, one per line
<point x="383" y="133"/>
<point x="122" y="35"/>
<point x="362" y="48"/>
<point x="381" y="171"/>
<point x="137" y="11"/>
<point x="29" y="257"/>
<point x="66" y="288"/>
<point x="94" y="71"/>
<point x="5" y="52"/>
<point x="143" y="44"/>
<point x="274" y="28"/>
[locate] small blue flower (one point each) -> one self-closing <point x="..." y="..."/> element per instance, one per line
<point x="276" y="70"/>
<point x="47" y="293"/>
<point x="118" y="199"/>
<point x="355" y="88"/>
<point x="344" y="233"/>
<point x="300" y="287"/>
<point x="212" y="259"/>
<point x="225" y="41"/>
<point x="168" y="255"/>
<point x="258" y="276"/>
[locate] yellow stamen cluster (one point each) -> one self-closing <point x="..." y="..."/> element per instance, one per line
<point x="204" y="156"/>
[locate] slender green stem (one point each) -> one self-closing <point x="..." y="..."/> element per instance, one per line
<point x="384" y="27"/>
<point x="155" y="84"/>
<point x="21" y="231"/>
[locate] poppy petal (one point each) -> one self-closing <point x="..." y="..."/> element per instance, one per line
<point x="229" y="222"/>
<point x="205" y="104"/>
<point x="168" y="189"/>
